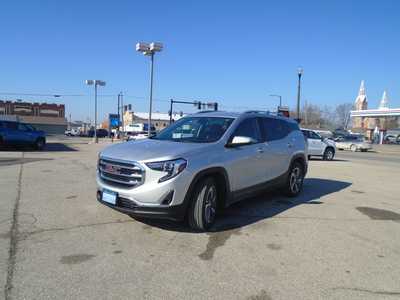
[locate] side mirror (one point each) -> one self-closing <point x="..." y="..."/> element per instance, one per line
<point x="240" y="141"/>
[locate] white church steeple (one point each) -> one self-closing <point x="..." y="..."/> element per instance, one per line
<point x="384" y="101"/>
<point x="361" y="102"/>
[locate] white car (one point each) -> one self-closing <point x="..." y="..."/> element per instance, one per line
<point x="319" y="146"/>
<point x="353" y="143"/>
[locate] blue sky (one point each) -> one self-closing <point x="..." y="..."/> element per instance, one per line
<point x="234" y="52"/>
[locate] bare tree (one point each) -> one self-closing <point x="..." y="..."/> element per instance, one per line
<point x="342" y="114"/>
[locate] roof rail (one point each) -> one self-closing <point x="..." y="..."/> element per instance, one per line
<point x="257" y="112"/>
<point x="205" y="111"/>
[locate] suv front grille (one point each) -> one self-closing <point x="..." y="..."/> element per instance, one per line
<point x="121" y="173"/>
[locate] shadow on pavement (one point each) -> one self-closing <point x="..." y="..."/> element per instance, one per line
<point x="264" y="206"/>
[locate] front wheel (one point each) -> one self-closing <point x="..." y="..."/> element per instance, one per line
<point x="294" y="181"/>
<point x="329" y="154"/>
<point x="203" y="209"/>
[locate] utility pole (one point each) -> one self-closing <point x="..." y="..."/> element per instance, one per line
<point x="122" y="112"/>
<point x="170" y="111"/>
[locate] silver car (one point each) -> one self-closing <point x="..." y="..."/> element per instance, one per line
<point x="201" y="163"/>
<point x="353" y="143"/>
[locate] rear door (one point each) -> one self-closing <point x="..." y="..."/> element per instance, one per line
<point x="11" y="133"/>
<point x="278" y="146"/>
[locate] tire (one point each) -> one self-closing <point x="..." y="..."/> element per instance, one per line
<point x="203" y="207"/>
<point x="39" y="144"/>
<point x="1" y="143"/>
<point x="363" y="150"/>
<point x="329" y="154"/>
<point x="295" y="179"/>
<point x="353" y="148"/>
<point x="309" y="157"/>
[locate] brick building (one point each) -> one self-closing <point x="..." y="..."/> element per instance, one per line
<point x="44" y="116"/>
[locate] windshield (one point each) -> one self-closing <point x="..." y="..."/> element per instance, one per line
<point x="195" y="130"/>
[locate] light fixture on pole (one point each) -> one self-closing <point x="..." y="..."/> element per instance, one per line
<point x="95" y="83"/>
<point x="150" y="50"/>
<point x="299" y="73"/>
<point x="280" y="98"/>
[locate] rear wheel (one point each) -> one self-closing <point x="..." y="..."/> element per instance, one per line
<point x="294" y="181"/>
<point x="203" y="209"/>
<point x="329" y="154"/>
<point x="353" y="148"/>
<point x="39" y="144"/>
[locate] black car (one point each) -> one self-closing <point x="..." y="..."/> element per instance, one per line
<point x="99" y="132"/>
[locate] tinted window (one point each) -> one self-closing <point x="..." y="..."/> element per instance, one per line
<point x="11" y="125"/>
<point x="274" y="129"/>
<point x="22" y="127"/>
<point x="306" y="133"/>
<point x="248" y="128"/>
<point x="314" y="136"/>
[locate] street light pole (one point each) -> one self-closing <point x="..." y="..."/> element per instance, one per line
<point x="170" y="111"/>
<point x="150" y="50"/>
<point x="96" y="140"/>
<point x="151" y="92"/>
<point x="95" y="83"/>
<point x="299" y="73"/>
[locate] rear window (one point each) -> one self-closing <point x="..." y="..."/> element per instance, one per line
<point x="275" y="129"/>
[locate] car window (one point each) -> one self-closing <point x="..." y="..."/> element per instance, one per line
<point x="314" y="136"/>
<point x="22" y="127"/>
<point x="248" y="128"/>
<point x="11" y="125"/>
<point x="195" y="130"/>
<point x="306" y="133"/>
<point x="274" y="129"/>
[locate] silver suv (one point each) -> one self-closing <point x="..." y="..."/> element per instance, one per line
<point x="202" y="163"/>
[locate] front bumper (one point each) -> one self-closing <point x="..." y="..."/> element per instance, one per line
<point x="126" y="206"/>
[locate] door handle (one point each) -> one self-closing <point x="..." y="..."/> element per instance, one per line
<point x="290" y="145"/>
<point x="260" y="150"/>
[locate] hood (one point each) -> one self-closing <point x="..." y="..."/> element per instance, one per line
<point x="151" y="150"/>
<point x="329" y="142"/>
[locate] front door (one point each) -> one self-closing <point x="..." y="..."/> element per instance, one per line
<point x="245" y="164"/>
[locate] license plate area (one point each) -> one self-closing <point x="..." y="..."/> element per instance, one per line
<point x="109" y="196"/>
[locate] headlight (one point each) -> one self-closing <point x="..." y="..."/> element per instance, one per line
<point x="172" y="167"/>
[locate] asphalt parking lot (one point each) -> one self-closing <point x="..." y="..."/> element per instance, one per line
<point x="339" y="240"/>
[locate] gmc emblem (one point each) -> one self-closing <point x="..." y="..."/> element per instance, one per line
<point x="111" y="169"/>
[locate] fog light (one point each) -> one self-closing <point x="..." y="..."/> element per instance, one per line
<point x="168" y="199"/>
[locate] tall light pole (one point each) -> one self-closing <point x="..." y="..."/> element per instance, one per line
<point x="299" y="73"/>
<point x="280" y="99"/>
<point x="95" y="83"/>
<point x="150" y="50"/>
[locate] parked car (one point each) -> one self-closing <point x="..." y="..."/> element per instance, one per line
<point x="200" y="163"/>
<point x="353" y="143"/>
<point x="71" y="132"/>
<point x="392" y="139"/>
<point x="99" y="132"/>
<point x="319" y="146"/>
<point x="14" y="133"/>
<point x="139" y="136"/>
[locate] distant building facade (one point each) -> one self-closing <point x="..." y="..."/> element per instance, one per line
<point x="158" y="120"/>
<point x="44" y="116"/>
<point x="371" y="121"/>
